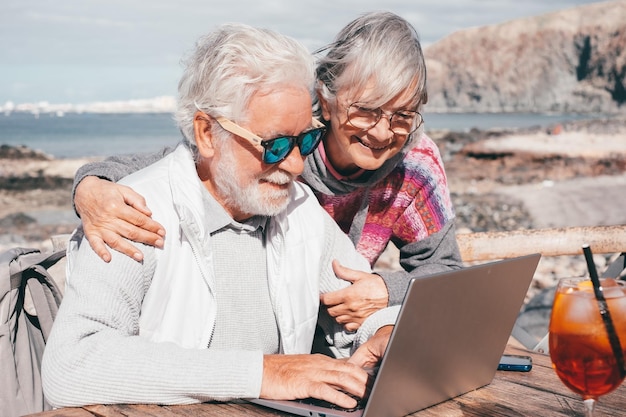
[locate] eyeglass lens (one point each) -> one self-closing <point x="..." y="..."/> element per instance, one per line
<point x="402" y="122"/>
<point x="279" y="148"/>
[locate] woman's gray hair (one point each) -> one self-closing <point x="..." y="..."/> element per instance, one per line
<point x="379" y="46"/>
<point x="232" y="63"/>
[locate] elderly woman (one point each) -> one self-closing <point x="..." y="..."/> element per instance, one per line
<point x="376" y="172"/>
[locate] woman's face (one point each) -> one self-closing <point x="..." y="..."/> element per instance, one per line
<point x="350" y="149"/>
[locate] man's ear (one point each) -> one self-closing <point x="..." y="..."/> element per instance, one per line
<point x="202" y="128"/>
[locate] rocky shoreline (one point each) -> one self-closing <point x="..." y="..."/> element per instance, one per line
<point x="482" y="167"/>
<point x="35" y="197"/>
<point x="500" y="180"/>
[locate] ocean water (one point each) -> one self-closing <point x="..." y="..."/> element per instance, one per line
<point x="80" y="135"/>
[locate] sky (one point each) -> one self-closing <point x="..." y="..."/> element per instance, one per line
<point x="84" y="51"/>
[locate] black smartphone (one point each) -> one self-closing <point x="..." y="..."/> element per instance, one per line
<point x="515" y="363"/>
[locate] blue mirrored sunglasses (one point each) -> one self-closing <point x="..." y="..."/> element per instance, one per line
<point x="277" y="149"/>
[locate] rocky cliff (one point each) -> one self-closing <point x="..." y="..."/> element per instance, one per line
<point x="567" y="61"/>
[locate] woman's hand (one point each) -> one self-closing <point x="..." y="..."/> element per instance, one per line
<point x="111" y="213"/>
<point x="352" y="305"/>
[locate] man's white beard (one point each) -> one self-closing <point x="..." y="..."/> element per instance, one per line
<point x="248" y="198"/>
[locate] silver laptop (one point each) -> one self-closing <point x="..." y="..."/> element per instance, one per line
<point x="451" y="332"/>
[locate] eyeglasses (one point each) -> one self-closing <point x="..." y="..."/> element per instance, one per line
<point x="277" y="149"/>
<point x="401" y="122"/>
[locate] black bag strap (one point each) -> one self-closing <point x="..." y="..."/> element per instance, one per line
<point x="46" y="298"/>
<point x="17" y="261"/>
<point x="12" y="264"/>
<point x="29" y="268"/>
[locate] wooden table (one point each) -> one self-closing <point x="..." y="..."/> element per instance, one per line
<point x="535" y="393"/>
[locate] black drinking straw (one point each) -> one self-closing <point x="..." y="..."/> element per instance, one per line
<point x="604" y="310"/>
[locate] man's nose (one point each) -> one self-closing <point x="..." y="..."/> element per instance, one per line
<point x="293" y="163"/>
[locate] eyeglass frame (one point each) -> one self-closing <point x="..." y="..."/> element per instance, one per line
<point x="389" y="116"/>
<point x="242" y="132"/>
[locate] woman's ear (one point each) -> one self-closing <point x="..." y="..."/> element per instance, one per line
<point x="202" y="128"/>
<point x="323" y="105"/>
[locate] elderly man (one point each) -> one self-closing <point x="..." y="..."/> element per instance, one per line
<point x="228" y="307"/>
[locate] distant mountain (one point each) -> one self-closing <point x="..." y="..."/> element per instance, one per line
<point x="567" y="61"/>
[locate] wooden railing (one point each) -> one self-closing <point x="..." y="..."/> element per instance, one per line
<point x="549" y="242"/>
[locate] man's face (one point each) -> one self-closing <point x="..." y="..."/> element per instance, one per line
<point x="240" y="181"/>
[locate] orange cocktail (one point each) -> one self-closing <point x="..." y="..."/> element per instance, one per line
<point x="580" y="349"/>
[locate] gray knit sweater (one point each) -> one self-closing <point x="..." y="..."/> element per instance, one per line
<point x="95" y="353"/>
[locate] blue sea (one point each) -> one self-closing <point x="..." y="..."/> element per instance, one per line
<point x="81" y="135"/>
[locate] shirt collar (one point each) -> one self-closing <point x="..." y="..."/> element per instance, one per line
<point x="220" y="219"/>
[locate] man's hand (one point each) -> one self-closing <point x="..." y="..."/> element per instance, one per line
<point x="111" y="212"/>
<point x="288" y="377"/>
<point x="352" y="305"/>
<point x="369" y="354"/>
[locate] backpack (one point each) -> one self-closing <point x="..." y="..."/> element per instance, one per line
<point x="23" y="335"/>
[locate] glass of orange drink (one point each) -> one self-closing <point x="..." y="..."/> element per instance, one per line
<point x="580" y="348"/>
